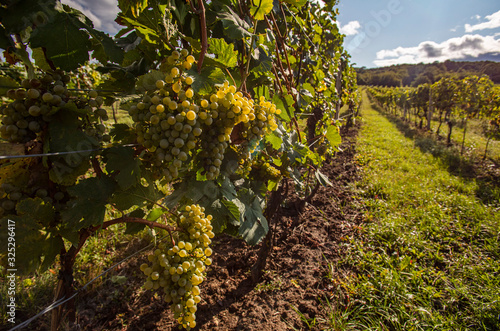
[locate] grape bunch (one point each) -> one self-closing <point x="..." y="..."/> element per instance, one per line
<point x="181" y="130"/>
<point x="179" y="269"/>
<point x="32" y="106"/>
<point x="11" y="194"/>
<point x="166" y="119"/>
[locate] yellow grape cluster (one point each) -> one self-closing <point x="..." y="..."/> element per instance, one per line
<point x="226" y="108"/>
<point x="166" y="121"/>
<point x="177" y="126"/>
<point x="179" y="269"/>
<point x="33" y="105"/>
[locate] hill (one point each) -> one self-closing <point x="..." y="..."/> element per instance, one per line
<point x="416" y="74"/>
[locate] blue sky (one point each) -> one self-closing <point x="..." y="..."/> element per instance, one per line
<point x="380" y="33"/>
<point x="386" y="32"/>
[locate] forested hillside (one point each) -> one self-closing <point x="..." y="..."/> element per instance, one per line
<point x="417" y="74"/>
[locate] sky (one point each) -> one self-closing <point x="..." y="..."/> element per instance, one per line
<point x="386" y="32"/>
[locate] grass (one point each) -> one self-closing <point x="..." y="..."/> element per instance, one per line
<point x="428" y="257"/>
<point x="36" y="292"/>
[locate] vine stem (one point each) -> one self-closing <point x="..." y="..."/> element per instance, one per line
<point x="247" y="68"/>
<point x="203" y="25"/>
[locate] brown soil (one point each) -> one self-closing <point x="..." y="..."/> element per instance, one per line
<point x="301" y="281"/>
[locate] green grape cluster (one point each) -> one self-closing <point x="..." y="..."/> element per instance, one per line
<point x="166" y="120"/>
<point x="179" y="269"/>
<point x="262" y="169"/>
<point x="32" y="106"/>
<point x="11" y="194"/>
<point x="180" y="129"/>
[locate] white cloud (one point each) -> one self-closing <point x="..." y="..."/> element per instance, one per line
<point x="493" y="21"/>
<point x="465" y="47"/>
<point x="350" y="29"/>
<point x="101" y="12"/>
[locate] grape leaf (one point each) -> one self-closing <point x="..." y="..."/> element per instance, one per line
<point x="309" y="88"/>
<point x="323" y="179"/>
<point x="222" y="211"/>
<point x="105" y="49"/>
<point x="204" y="82"/>
<point x="253" y="226"/>
<point x="32" y="244"/>
<point x="69" y="48"/>
<point x="280" y="104"/>
<point x="18" y="15"/>
<point x="234" y="26"/>
<point x="133" y="228"/>
<point x="148" y="81"/>
<point x="122" y="162"/>
<point x="36" y="209"/>
<point x="40" y="59"/>
<point x="225" y="55"/>
<point x="89" y="206"/>
<point x="155" y="214"/>
<point x="260" y="8"/>
<point x="274" y="140"/>
<point x="137" y="195"/>
<point x="122" y="132"/>
<point x="227" y="189"/>
<point x="333" y="136"/>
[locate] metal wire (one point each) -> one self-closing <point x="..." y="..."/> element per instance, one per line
<point x="62" y="153"/>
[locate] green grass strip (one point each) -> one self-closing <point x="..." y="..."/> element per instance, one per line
<point x="429" y="254"/>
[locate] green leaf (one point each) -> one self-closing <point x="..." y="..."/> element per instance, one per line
<point x="204" y="82"/>
<point x="227" y="189"/>
<point x="65" y="136"/>
<point x="155" y="214"/>
<point x="260" y="8"/>
<point x="40" y="59"/>
<point x="133" y="228"/>
<point x="232" y="208"/>
<point x="137" y="195"/>
<point x="36" y="209"/>
<point x="320" y="75"/>
<point x="272" y="185"/>
<point x="35" y="249"/>
<point x="296" y="3"/>
<point x="18" y="15"/>
<point x="122" y="132"/>
<point x="281" y="105"/>
<point x="148" y="81"/>
<point x="274" y="140"/>
<point x="253" y="226"/>
<point x="122" y="162"/>
<point x="105" y="49"/>
<point x="234" y="26"/>
<point x="309" y="88"/>
<point x="89" y="206"/>
<point x="69" y="47"/>
<point x="323" y="179"/>
<point x="225" y="55"/>
<point x="333" y="136"/>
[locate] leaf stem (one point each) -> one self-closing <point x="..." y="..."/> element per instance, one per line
<point x="249" y="55"/>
